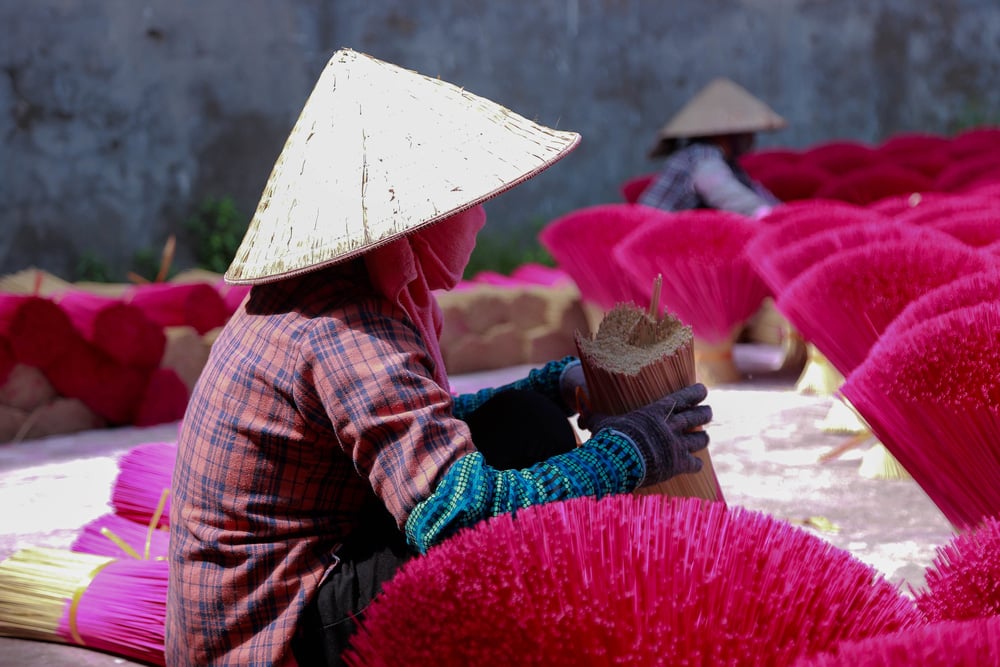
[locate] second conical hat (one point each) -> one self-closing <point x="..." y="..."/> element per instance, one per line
<point x="721" y="107"/>
<point x="379" y="151"/>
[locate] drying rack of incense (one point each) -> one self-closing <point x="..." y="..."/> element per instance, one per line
<point x="636" y="358"/>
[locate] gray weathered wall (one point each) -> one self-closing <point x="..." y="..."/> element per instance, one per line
<point x="117" y="117"/>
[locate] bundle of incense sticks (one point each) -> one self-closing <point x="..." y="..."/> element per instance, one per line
<point x="636" y="358"/>
<point x="103" y="603"/>
<point x="626" y="580"/>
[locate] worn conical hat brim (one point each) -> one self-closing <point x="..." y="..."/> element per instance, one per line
<point x="379" y="151"/>
<point x="722" y="107"/>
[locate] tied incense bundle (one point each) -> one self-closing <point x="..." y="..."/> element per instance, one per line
<point x="113" y="605"/>
<point x="636" y="358"/>
<point x="113" y="599"/>
<point x="627" y="580"/>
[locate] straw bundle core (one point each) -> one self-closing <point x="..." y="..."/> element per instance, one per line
<point x="35" y="586"/>
<point x="634" y="359"/>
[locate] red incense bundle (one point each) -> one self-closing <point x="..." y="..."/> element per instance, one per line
<point x="7" y="360"/>
<point x="794" y="182"/>
<point x="933" y="399"/>
<point x="965" y="174"/>
<point x="121" y="331"/>
<point x="842" y="156"/>
<point x="979" y="140"/>
<point x="581" y="242"/>
<point x="633" y="188"/>
<point x="926" y="153"/>
<point x="165" y="399"/>
<point x="942" y="644"/>
<point x="843" y="304"/>
<point x="110" y="389"/>
<point x="963" y="582"/>
<point x="193" y="304"/>
<point x="39" y="331"/>
<point x="760" y="161"/>
<point x="867" y="185"/>
<point x="913" y="143"/>
<point x="629" y="580"/>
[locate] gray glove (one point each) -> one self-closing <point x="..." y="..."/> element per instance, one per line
<point x="662" y="432"/>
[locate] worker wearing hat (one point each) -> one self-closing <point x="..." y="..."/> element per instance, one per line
<point x="326" y="395"/>
<point x="702" y="145"/>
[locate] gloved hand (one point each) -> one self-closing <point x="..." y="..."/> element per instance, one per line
<point x="663" y="432"/>
<point x="571" y="383"/>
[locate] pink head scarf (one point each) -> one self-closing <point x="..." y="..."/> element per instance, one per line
<point x="410" y="268"/>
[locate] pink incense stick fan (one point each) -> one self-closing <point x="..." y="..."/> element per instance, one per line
<point x="842" y="304"/>
<point x="778" y="265"/>
<point x="708" y="281"/>
<point x="793" y="223"/>
<point x="971" y="290"/>
<point x="934" y="207"/>
<point x="942" y="644"/>
<point x="629" y="580"/>
<point x="963" y="582"/>
<point x="580" y="242"/>
<point x="974" y="228"/>
<point x="933" y="399"/>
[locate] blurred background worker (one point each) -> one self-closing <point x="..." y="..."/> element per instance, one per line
<point x="702" y="145"/>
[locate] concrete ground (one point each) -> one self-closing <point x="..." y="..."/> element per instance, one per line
<point x="767" y="441"/>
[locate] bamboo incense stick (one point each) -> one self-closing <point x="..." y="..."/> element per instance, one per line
<point x="636" y="358"/>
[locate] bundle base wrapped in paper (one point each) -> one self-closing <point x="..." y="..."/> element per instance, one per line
<point x="635" y="359"/>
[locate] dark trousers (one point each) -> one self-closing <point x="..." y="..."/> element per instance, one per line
<point x="514" y="429"/>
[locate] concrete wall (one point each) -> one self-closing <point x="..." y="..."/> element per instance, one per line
<point x="117" y="117"/>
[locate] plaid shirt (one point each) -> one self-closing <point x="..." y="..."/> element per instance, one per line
<point x="673" y="188"/>
<point x="317" y="393"/>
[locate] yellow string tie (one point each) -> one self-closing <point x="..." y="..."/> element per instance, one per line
<point x="120" y="543"/>
<point x="124" y="546"/>
<point x="81" y="588"/>
<point x="155" y="521"/>
<point x="153" y="525"/>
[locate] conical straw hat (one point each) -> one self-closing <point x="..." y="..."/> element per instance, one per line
<point x="721" y="107"/>
<point x="379" y="151"/>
